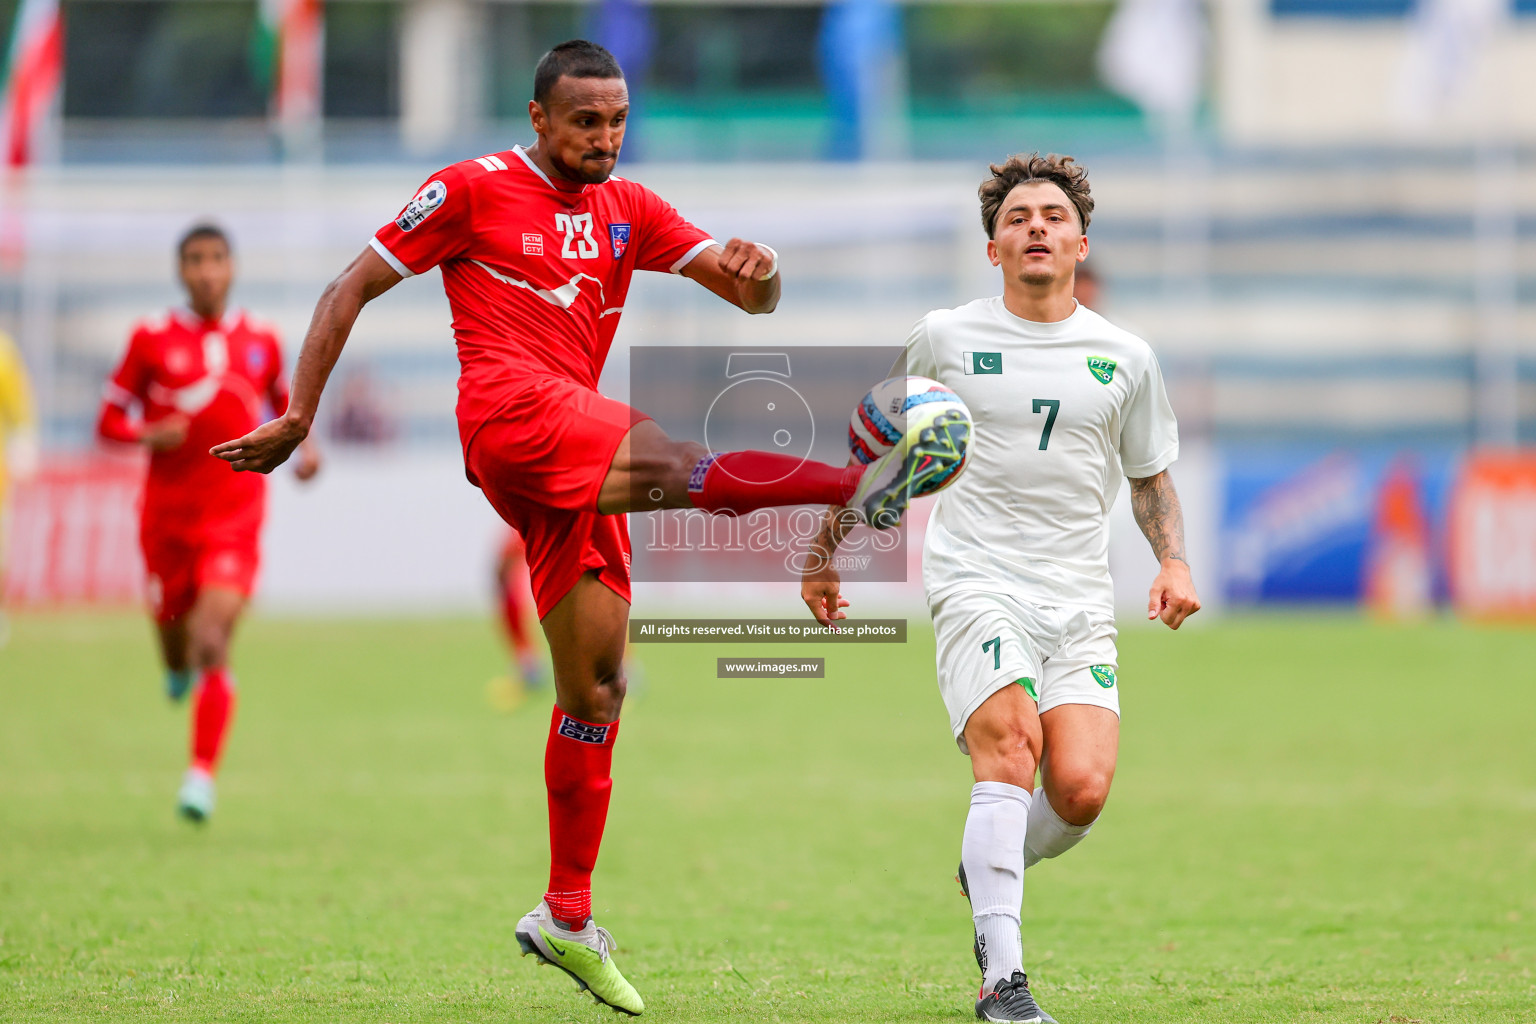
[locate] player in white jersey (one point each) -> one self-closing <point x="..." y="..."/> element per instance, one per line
<point x="1016" y="565"/>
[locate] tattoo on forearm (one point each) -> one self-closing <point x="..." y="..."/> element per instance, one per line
<point x="835" y="525"/>
<point x="1156" y="506"/>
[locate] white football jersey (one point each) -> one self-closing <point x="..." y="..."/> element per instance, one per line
<point x="1062" y="410"/>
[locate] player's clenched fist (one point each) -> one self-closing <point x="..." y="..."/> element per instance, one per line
<point x="749" y="261"/>
<point x="263" y="449"/>
<point x="1173" y="594"/>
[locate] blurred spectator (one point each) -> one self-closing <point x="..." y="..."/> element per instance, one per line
<point x="1399" y="570"/>
<point x="362" y="416"/>
<point x="18" y="438"/>
<point x="1085" y="287"/>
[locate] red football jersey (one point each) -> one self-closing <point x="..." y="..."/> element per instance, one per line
<point x="536" y="274"/>
<point x="217" y="374"/>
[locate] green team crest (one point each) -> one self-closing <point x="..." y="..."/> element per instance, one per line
<point x="1104" y="675"/>
<point x="1103" y="370"/>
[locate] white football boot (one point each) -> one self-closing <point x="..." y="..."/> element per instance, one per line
<point x="196" y="798"/>
<point x="929" y="454"/>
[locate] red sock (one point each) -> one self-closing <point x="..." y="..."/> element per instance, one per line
<point x="577" y="765"/>
<point x="736" y="482"/>
<point x="210" y="718"/>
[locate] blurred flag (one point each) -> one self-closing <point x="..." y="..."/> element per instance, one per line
<point x="289" y="50"/>
<point x="1444" y="43"/>
<point x="861" y="64"/>
<point x="1153" y="53"/>
<point x="625" y="28"/>
<point x="34" y="65"/>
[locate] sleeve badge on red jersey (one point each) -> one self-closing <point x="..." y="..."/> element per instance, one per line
<point x="618" y="234"/>
<point x="417" y="210"/>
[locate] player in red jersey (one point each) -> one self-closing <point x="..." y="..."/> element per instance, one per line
<point x="536" y="248"/>
<point x="196" y="375"/>
<point x="514" y="599"/>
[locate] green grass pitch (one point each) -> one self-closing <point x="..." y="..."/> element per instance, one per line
<point x="1314" y="820"/>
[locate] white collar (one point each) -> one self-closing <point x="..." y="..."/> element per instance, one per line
<point x="192" y="321"/>
<point x="535" y="168"/>
<point x="523" y="155"/>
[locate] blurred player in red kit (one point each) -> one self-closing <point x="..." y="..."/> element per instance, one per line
<point x="514" y="600"/>
<point x="537" y="247"/>
<point x="194" y="375"/>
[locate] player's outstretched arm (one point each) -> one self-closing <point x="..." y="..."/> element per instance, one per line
<point x="1161" y="518"/>
<point x="269" y="445"/>
<point x="820" y="583"/>
<point x="743" y="273"/>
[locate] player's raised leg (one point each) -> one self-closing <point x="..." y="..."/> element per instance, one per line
<point x="652" y="471"/>
<point x="1082" y="742"/>
<point x="586" y="632"/>
<point x="1004" y="738"/>
<point x="209" y="628"/>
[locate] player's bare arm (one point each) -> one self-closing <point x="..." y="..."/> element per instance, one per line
<point x="743" y="273"/>
<point x="270" y="445"/>
<point x="820" y="582"/>
<point x="1156" y="506"/>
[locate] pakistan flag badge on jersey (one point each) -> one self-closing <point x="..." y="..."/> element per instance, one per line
<point x="982" y="362"/>
<point x="1104" y="675"/>
<point x="1103" y="370"/>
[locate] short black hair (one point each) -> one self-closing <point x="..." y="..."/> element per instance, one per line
<point x="576" y="58"/>
<point x="203" y="229"/>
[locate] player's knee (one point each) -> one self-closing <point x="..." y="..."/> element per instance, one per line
<point x="1005" y="750"/>
<point x="613" y="685"/>
<point x="597" y="697"/>
<point x="208" y="645"/>
<point x="209" y="654"/>
<point x="1079" y="796"/>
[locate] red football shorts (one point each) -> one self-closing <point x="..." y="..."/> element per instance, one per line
<point x="542" y="464"/>
<point x="180" y="562"/>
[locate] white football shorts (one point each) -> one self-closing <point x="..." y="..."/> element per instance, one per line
<point x="989" y="641"/>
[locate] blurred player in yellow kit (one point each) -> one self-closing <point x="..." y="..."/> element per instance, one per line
<point x="18" y="439"/>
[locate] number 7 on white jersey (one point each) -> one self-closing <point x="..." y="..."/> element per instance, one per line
<point x="585" y="245"/>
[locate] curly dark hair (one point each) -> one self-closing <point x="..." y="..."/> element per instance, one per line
<point x="1018" y="169"/>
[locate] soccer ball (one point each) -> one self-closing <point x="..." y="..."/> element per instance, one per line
<point x="880" y="419"/>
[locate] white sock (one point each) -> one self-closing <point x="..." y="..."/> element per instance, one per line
<point x="1049" y="835"/>
<point x="993" y="854"/>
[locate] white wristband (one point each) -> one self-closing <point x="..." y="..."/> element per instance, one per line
<point x="773" y="269"/>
